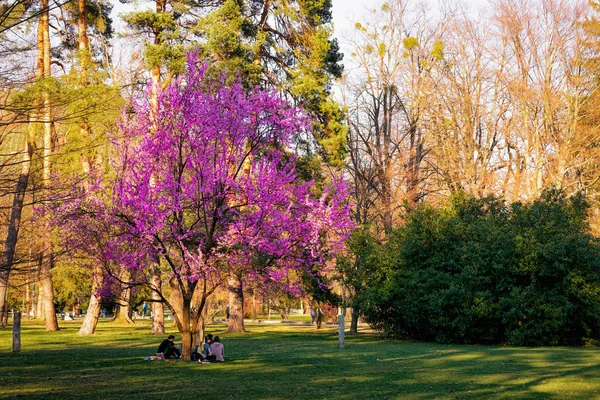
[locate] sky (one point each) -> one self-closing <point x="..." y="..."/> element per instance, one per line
<point x="347" y="12"/>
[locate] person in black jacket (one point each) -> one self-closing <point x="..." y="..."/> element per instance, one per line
<point x="168" y="348"/>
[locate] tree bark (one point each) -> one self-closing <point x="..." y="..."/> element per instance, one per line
<point x="83" y="42"/>
<point x="12" y="236"/>
<point x="184" y="330"/>
<point x="123" y="313"/>
<point x="40" y="301"/>
<point x="90" y="322"/>
<point x="158" y="312"/>
<point x="47" y="257"/>
<point x="181" y="306"/>
<point x="201" y="303"/>
<point x="4" y="320"/>
<point x="319" y="316"/>
<point x="209" y="318"/>
<point x="16" y="342"/>
<point x="236" y="304"/>
<point x="354" y="321"/>
<point x="155" y="71"/>
<point x="28" y="301"/>
<point x="341" y="328"/>
<point x="48" y="292"/>
<point x="198" y="330"/>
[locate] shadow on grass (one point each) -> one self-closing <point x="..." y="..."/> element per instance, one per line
<point x="288" y="362"/>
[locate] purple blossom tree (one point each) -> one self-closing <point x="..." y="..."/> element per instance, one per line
<point x="205" y="187"/>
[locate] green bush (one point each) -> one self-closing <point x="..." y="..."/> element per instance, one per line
<point x="478" y="270"/>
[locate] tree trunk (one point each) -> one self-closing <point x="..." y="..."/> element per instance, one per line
<point x="341" y="327"/>
<point x="40" y="301"/>
<point x="125" y="310"/>
<point x="48" y="292"/>
<point x="387" y="160"/>
<point x="16" y="344"/>
<point x="319" y="316"/>
<point x="354" y="321"/>
<point x="88" y="327"/>
<point x="47" y="258"/>
<point x="90" y="322"/>
<point x="28" y="301"/>
<point x="184" y="330"/>
<point x="236" y="304"/>
<point x="155" y="71"/>
<point x="83" y="42"/>
<point x="4" y="319"/>
<point x="10" y="245"/>
<point x="158" y="312"/>
<point x="198" y="331"/>
<point x="34" y="291"/>
<point x="181" y="306"/>
<point x="209" y="317"/>
<point x="123" y="313"/>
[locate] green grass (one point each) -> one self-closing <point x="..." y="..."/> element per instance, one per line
<point x="286" y="362"/>
<point x="292" y="317"/>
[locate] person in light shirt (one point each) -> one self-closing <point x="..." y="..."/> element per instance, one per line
<point x="217" y="351"/>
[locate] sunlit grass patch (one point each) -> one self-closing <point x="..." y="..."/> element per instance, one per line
<point x="278" y="361"/>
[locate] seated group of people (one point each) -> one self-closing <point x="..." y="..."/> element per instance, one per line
<point x="212" y="350"/>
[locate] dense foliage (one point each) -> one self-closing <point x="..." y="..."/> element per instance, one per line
<point x="480" y="270"/>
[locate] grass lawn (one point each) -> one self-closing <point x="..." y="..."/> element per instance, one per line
<point x="286" y="362"/>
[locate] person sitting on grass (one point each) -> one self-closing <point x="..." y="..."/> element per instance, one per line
<point x="168" y="348"/>
<point x="203" y="356"/>
<point x="217" y="351"/>
<point x="205" y="349"/>
<point x="208" y="341"/>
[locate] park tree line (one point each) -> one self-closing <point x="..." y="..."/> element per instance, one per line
<point x="65" y="110"/>
<point x="496" y="102"/>
<point x="490" y="108"/>
<point x="436" y="104"/>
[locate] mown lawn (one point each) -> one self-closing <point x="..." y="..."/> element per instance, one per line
<point x="287" y="362"/>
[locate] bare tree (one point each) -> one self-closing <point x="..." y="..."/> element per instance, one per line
<point x="389" y="101"/>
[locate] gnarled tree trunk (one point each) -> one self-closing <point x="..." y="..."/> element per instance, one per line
<point x="236" y="304"/>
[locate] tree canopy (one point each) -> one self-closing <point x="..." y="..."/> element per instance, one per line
<point x="206" y="186"/>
